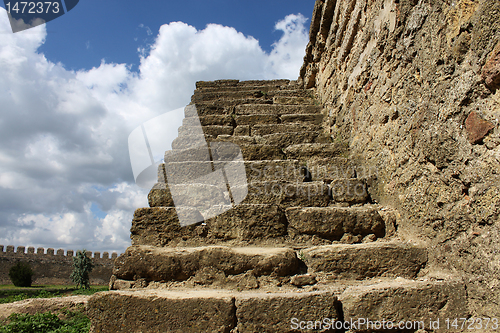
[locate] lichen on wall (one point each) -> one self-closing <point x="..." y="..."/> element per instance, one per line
<point x="413" y="86"/>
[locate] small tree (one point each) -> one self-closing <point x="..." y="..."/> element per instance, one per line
<point x="20" y="274"/>
<point x="82" y="266"/>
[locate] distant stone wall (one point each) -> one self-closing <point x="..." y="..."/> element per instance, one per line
<point x="53" y="267"/>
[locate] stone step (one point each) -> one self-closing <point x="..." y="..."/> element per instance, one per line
<point x="179" y="264"/>
<point x="282" y="128"/>
<point x="160" y="226"/>
<point x="329" y="169"/>
<point x="191" y="142"/>
<point x="262" y="119"/>
<point x="294" y="100"/>
<point x="253" y="97"/>
<point x="250" y="152"/>
<point x="363" y="261"/>
<point x="264" y="170"/>
<point x="198" y="141"/>
<point x="302" y="151"/>
<point x="206" y="96"/>
<point x="276" y="109"/>
<point x="195" y="311"/>
<point x="292" y="138"/>
<point x="415" y="305"/>
<point x="288" y="194"/>
<point x="271" y="91"/>
<point x="209" y="130"/>
<point x="221" y="120"/>
<point x="349" y="190"/>
<point x="333" y="223"/>
<point x="217" y="84"/>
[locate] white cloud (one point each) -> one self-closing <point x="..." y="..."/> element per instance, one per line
<point x="63" y="134"/>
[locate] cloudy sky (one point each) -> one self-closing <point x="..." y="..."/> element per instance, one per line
<point x="72" y="90"/>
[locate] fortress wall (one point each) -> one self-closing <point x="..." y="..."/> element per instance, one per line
<point x="413" y="87"/>
<point x="53" y="267"/>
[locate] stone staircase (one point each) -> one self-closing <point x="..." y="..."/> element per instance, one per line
<point x="305" y="248"/>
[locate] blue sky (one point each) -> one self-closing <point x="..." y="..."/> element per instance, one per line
<point x="72" y="90"/>
<point x="114" y="29"/>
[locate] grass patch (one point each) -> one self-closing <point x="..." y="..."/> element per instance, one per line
<point x="11" y="294"/>
<point x="65" y="322"/>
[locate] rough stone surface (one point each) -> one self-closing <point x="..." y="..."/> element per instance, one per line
<point x="158" y="226"/>
<point x="399" y="79"/>
<point x="406" y="301"/>
<point x="178" y="264"/>
<point x="362" y="261"/>
<point x="333" y="222"/>
<point x="351" y="190"/>
<point x="156" y="311"/>
<point x="274" y="312"/>
<point x="246" y="222"/>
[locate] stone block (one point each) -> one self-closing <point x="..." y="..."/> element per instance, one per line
<point x="158" y="226"/>
<point x="179" y="264"/>
<point x="242" y="130"/>
<point x="21" y="250"/>
<point x="209" y="130"/>
<point x="283" y="128"/>
<point x="196" y="154"/>
<point x="161" y="311"/>
<point x="275" y="109"/>
<point x="312" y="118"/>
<point x="257" y="152"/>
<point x="255" y="119"/>
<point x="288" y="194"/>
<point x="284" y="312"/>
<point x="160" y="196"/>
<point x="247" y="222"/>
<point x="315" y="150"/>
<point x="293" y="100"/>
<point x="333" y="222"/>
<point x="192" y="141"/>
<point x="287" y="139"/>
<point x="410" y="302"/>
<point x="351" y="190"/>
<point x="362" y="261"/>
<point x="222" y="120"/>
<point x="328" y="169"/>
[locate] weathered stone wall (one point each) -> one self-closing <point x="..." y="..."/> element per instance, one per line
<point x="413" y="87"/>
<point x="53" y="267"/>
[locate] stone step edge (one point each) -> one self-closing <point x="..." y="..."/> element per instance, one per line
<point x="389" y="302"/>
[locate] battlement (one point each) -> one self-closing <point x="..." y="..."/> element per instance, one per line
<point x="10" y="250"/>
<point x="53" y="266"/>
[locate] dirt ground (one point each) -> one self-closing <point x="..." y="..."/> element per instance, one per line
<point x="35" y="305"/>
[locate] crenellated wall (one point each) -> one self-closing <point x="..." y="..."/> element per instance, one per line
<point x="53" y="267"/>
<point x="413" y="88"/>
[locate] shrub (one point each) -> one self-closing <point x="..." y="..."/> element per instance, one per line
<point x="20" y="274"/>
<point x="82" y="266"/>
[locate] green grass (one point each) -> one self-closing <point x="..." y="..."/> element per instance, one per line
<point x="10" y="293"/>
<point x="66" y="322"/>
